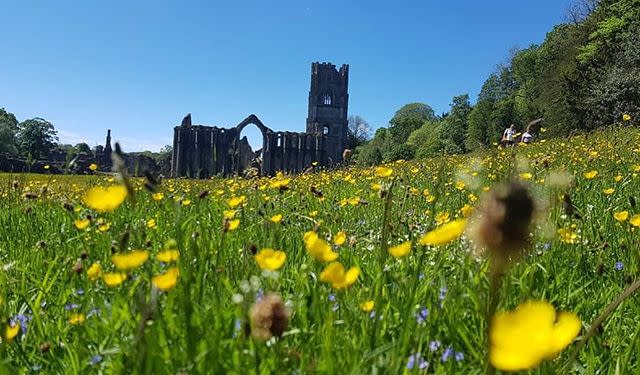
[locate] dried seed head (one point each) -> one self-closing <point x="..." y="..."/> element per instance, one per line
<point x="77" y="267"/>
<point x="269" y="317"/>
<point x="502" y="226"/>
<point x="68" y="207"/>
<point x="203" y="194"/>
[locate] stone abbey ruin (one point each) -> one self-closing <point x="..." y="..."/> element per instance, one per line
<point x="203" y="151"/>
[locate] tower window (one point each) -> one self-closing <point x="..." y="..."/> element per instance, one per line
<point x="325" y="130"/>
<point x="327" y="99"/>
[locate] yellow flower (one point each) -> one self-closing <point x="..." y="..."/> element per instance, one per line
<point x="233" y="224"/>
<point x="442" y="217"/>
<point x="167" y="280"/>
<point x="46" y="167"/>
<point x="375" y="186"/>
<point x="186" y="202"/>
<point x="76" y="319"/>
<point x="460" y="185"/>
<point x="400" y="250"/>
<point x="444" y="233"/>
<point x="340" y="238"/>
<point x="590" y="175"/>
<point x="105" y="199"/>
<point x="466" y="210"/>
<point x="618" y="178"/>
<point x="567" y="235"/>
<point x="236" y="201"/>
<point x="11" y="331"/>
<point x="609" y="191"/>
<point x="151" y="224"/>
<point x="635" y="220"/>
<point x="94" y="272"/>
<point x="621" y="216"/>
<point x="626" y="117"/>
<point x="104" y="227"/>
<point x="526" y="176"/>
<point x="270" y="259"/>
<point x="276" y="218"/>
<point x="93" y="166"/>
<point x="523" y="338"/>
<point x="335" y="274"/>
<point x="367" y="306"/>
<point x="319" y="248"/>
<point x="157" y="196"/>
<point x="313" y="213"/>
<point x="168" y="256"/>
<point x="114" y="279"/>
<point x="383" y="172"/>
<point x="82" y="224"/>
<point x="130" y="260"/>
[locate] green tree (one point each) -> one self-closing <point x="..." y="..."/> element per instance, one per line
<point x="8" y="129"/>
<point x="407" y="119"/>
<point x="454" y="126"/>
<point x="82" y="148"/>
<point x="36" y="137"/>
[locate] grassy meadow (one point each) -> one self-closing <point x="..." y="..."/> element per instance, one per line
<point x="68" y="305"/>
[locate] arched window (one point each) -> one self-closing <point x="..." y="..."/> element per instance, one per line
<point x="327" y="99"/>
<point x="325" y="130"/>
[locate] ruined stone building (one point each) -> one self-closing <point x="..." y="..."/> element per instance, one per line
<point x="203" y="151"/>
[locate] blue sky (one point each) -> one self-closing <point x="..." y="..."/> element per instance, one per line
<point x="138" y="67"/>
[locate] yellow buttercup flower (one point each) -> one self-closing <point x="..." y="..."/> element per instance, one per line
<point x="340" y="238"/>
<point x="157" y="196"/>
<point x="367" y="306"/>
<point x="185" y="202"/>
<point x="236" y="201"/>
<point x="151" y="224"/>
<point x="383" y="171"/>
<point x="526" y="176"/>
<point x="270" y="259"/>
<point x="621" y="216"/>
<point x="167" y="280"/>
<point x="442" y="217"/>
<point x="618" y="178"/>
<point x="105" y="199"/>
<point x="276" y="218"/>
<point x="626" y="117"/>
<point x="233" y="224"/>
<point x="635" y="220"/>
<point x="76" y="319"/>
<point x="319" y="248"/>
<point x="445" y="233"/>
<point x="114" y="279"/>
<point x="567" y="235"/>
<point x="335" y="274"/>
<point x="94" y="272"/>
<point x="460" y="185"/>
<point x="93" y="167"/>
<point x="104" y="227"/>
<point x="130" y="260"/>
<point x="523" y="338"/>
<point x="609" y="191"/>
<point x="400" y="250"/>
<point x="168" y="256"/>
<point x="82" y="224"/>
<point x="590" y="175"/>
<point x="11" y="331"/>
<point x="466" y="210"/>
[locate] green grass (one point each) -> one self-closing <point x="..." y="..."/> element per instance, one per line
<point x="197" y="328"/>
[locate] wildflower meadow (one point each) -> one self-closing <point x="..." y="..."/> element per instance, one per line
<point x="507" y="259"/>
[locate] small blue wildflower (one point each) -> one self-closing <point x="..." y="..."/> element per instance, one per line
<point x="92" y="312"/>
<point x="259" y="294"/>
<point x="71" y="306"/>
<point x="372" y="314"/>
<point x="95" y="359"/>
<point x="421" y="277"/>
<point x="421" y="316"/>
<point x="546" y="246"/>
<point x="237" y="326"/>
<point x="459" y="356"/>
<point x="448" y="352"/>
<point x="22" y="320"/>
<point x="416" y="358"/>
<point x="434" y="345"/>
<point x="332" y="298"/>
<point x="619" y="266"/>
<point x="80" y="292"/>
<point x="443" y="293"/>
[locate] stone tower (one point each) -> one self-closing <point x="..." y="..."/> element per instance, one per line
<point x="328" y="103"/>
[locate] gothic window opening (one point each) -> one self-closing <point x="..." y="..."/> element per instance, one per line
<point x="327" y="99"/>
<point x="325" y="130"/>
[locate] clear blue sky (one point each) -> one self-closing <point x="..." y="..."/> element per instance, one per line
<point x="138" y="67"/>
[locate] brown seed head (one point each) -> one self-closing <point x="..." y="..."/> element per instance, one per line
<point x="269" y="317"/>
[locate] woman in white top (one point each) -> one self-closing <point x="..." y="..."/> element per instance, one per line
<point x="509" y="135"/>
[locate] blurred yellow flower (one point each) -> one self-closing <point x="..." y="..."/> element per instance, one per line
<point x="47" y="167"/>
<point x="526" y="176"/>
<point x="270" y="259"/>
<point x="523" y="338"/>
<point x="93" y="167"/>
<point x="11" y="331"/>
<point x="94" y="272"/>
<point x="233" y="224"/>
<point x="236" y="201"/>
<point x="167" y="280"/>
<point x="590" y="175"/>
<point x="609" y="191"/>
<point x="442" y="217"/>
<point x="105" y="199"/>
<point x="466" y="210"/>
<point x="618" y="178"/>
<point x="168" y="256"/>
<point x="76" y="319"/>
<point x="340" y="238"/>
<point x="229" y="214"/>
<point x="151" y="224"/>
<point x="335" y="274"/>
<point x="567" y="235"/>
<point x="400" y="250"/>
<point x="82" y="224"/>
<point x="444" y="233"/>
<point x="626" y="117"/>
<point x="367" y="306"/>
<point x="185" y="202"/>
<point x="114" y="279"/>
<point x="383" y="171"/>
<point x="276" y="218"/>
<point x="460" y="185"/>
<point x="104" y="227"/>
<point x="635" y="220"/>
<point x="621" y="216"/>
<point x="375" y="186"/>
<point x="133" y="259"/>
<point x="318" y="248"/>
<point x="157" y="196"/>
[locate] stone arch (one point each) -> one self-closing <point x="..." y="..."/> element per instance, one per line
<point x="241" y="159"/>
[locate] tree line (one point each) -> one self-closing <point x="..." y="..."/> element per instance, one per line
<point x="585" y="75"/>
